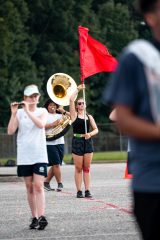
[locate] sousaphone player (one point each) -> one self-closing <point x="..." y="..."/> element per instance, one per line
<point x="59" y="87"/>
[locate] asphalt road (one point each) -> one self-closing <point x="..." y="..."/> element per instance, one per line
<point x="108" y="216"/>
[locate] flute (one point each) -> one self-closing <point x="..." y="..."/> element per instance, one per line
<point x="22" y="103"/>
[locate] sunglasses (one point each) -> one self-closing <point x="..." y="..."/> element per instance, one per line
<point x="80" y="103"/>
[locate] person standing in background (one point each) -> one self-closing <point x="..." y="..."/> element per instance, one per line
<point x="135" y="93"/>
<point x="55" y="148"/>
<point x="31" y="151"/>
<point x="82" y="145"/>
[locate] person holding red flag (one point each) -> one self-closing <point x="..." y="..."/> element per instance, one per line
<point x="82" y="145"/>
<point x="94" y="58"/>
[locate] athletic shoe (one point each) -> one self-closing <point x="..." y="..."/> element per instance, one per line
<point x="42" y="222"/>
<point x="88" y="194"/>
<point x="60" y="187"/>
<point x="34" y="223"/>
<point x="47" y="186"/>
<point x="79" y="194"/>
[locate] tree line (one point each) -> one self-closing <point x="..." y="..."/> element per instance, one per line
<point x="39" y="38"/>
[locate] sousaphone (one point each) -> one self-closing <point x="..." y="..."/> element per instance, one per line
<point x="60" y="87"/>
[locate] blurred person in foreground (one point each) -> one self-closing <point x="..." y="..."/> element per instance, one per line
<point x="31" y="151"/>
<point x="135" y="93"/>
<point x="82" y="144"/>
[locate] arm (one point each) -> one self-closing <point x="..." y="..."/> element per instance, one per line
<point x="54" y="124"/>
<point x="72" y="109"/>
<point x="94" y="128"/>
<point x="39" y="121"/>
<point x="134" y="126"/>
<point x="63" y="111"/>
<point x="13" y="122"/>
<point x="12" y="125"/>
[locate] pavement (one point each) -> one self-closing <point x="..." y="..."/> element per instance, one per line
<point x="8" y="171"/>
<point x="107" y="216"/>
<point x="9" y="174"/>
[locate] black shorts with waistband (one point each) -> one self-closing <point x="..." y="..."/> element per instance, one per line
<point x="80" y="146"/>
<point x="29" y="170"/>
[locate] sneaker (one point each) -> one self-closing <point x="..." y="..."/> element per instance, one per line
<point x="60" y="187"/>
<point x="79" y="194"/>
<point x="42" y="222"/>
<point x="47" y="186"/>
<point x="88" y="194"/>
<point x="34" y="223"/>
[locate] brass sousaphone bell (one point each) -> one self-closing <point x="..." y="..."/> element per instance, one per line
<point x="60" y="87"/>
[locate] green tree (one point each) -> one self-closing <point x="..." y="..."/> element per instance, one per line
<point x="39" y="38"/>
<point x="16" y="66"/>
<point x="57" y="48"/>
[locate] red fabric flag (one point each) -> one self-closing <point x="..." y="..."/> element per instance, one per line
<point x="94" y="56"/>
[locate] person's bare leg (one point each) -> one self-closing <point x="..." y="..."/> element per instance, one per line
<point x="50" y="174"/>
<point x="78" y="162"/>
<point x="31" y="196"/>
<point x="39" y="194"/>
<point x="86" y="170"/>
<point x="57" y="173"/>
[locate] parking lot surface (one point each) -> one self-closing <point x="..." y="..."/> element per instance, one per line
<point x="107" y="216"/>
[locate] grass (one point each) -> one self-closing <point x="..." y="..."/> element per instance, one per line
<point x="98" y="157"/>
<point x="104" y="157"/>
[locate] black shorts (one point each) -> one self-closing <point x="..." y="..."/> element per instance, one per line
<point x="55" y="154"/>
<point x="29" y="170"/>
<point x="80" y="146"/>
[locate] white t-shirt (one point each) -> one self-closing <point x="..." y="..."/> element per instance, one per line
<point x="31" y="140"/>
<point x="52" y="118"/>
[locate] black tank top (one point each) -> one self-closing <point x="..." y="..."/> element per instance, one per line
<point x="79" y="125"/>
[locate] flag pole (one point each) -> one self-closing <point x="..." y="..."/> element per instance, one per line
<point x="84" y="98"/>
<point x="82" y="52"/>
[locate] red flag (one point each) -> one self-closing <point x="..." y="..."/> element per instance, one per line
<point x="94" y="56"/>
